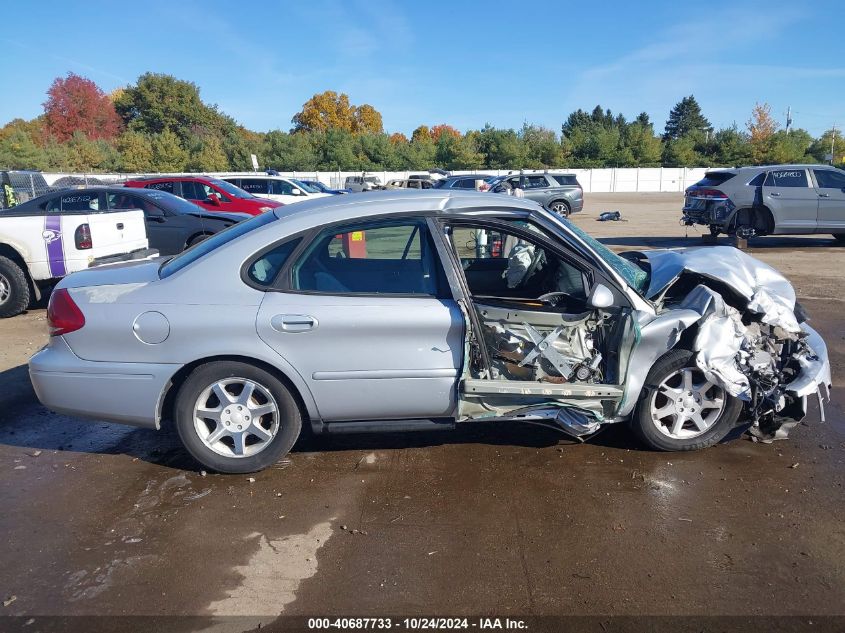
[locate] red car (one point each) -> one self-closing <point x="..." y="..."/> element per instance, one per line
<point x="212" y="194"/>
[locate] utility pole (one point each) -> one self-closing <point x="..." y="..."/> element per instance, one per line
<point x="788" y="118"/>
<point x="832" y="144"/>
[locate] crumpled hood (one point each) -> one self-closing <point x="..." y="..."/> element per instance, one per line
<point x="768" y="292"/>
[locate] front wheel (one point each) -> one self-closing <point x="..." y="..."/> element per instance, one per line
<point x="233" y="417"/>
<point x="560" y="207"/>
<point x="680" y="409"/>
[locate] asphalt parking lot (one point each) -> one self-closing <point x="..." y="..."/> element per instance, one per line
<point x="492" y="519"/>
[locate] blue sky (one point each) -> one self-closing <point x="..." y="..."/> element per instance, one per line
<point x="462" y="63"/>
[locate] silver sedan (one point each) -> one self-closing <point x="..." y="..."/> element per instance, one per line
<point x="402" y="311"/>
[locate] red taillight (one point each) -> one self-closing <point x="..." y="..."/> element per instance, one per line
<point x="714" y="194"/>
<point x="63" y="315"/>
<point x="82" y="237"/>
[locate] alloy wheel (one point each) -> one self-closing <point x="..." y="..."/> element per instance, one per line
<point x="236" y="417"/>
<point x="686" y="404"/>
<point x="5" y="289"/>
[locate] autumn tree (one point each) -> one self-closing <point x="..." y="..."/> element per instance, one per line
<point x="761" y="129"/>
<point x="438" y="130"/>
<point x="76" y="104"/>
<point x="397" y="138"/>
<point x="366" y="120"/>
<point x="422" y="133"/>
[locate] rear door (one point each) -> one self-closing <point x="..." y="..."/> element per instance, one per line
<point x="792" y="200"/>
<point x="536" y="188"/>
<point x="830" y="187"/>
<point x="363" y="314"/>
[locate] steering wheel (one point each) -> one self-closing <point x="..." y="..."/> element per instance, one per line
<point x="540" y="259"/>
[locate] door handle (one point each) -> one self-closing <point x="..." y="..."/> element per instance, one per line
<point x="120" y="226"/>
<point x="293" y="322"/>
<point x="774" y="195"/>
<point x="824" y="195"/>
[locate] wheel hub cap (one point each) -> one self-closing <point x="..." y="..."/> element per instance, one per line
<point x="236" y="417"/>
<point x="686" y="404"/>
<point x="5" y="289"/>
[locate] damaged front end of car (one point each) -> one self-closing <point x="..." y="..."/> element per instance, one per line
<point x="751" y="337"/>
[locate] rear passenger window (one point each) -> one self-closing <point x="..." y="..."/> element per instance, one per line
<point x="829" y="179"/>
<point x="161" y="186"/>
<point x="465" y="183"/>
<point x="264" y="270"/>
<point x="255" y="186"/>
<point x="787" y="178"/>
<point x="565" y="180"/>
<point x="395" y="258"/>
<point x="193" y="190"/>
<point x="756" y="181"/>
<point x="75" y="202"/>
<point x="536" y="182"/>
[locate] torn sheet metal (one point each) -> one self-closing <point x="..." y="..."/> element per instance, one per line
<point x="768" y="293"/>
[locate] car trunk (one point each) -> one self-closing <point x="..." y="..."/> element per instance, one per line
<point x="117" y="231"/>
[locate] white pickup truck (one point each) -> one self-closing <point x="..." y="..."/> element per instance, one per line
<point x="46" y="238"/>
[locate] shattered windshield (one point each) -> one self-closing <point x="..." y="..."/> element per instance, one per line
<point x="633" y="274"/>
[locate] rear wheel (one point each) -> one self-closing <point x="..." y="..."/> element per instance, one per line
<point x="14" y="288"/>
<point x="560" y="207"/>
<point x="680" y="409"/>
<point x="233" y="417"/>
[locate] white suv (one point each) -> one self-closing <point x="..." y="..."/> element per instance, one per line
<point x="279" y="188"/>
<point x="769" y="200"/>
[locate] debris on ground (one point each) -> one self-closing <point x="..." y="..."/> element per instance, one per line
<point x="9" y="600"/>
<point x="610" y="216"/>
<point x="251" y="480"/>
<point x="795" y="465"/>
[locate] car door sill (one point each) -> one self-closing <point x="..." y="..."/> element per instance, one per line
<point x="386" y="426"/>
<point x="532" y="388"/>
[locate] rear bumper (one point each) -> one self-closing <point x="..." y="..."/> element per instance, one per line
<point x="128" y="393"/>
<point x="138" y="254"/>
<point x="577" y="205"/>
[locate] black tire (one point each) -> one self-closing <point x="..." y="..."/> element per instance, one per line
<point x="196" y="239"/>
<point x="839" y="237"/>
<point x="14" y="288"/>
<point x="646" y="429"/>
<point x="201" y="379"/>
<point x="561" y="207"/>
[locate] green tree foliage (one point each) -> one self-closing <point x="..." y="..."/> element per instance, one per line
<point x="136" y="152"/>
<point x="167" y="127"/>
<point x="686" y="119"/>
<point x="168" y="153"/>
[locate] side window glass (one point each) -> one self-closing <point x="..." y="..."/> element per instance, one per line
<point x="83" y="202"/>
<point x="536" y="182"/>
<point x="787" y="178"/>
<point x="161" y="186"/>
<point x="206" y="191"/>
<point x="394" y="258"/>
<point x="192" y="190"/>
<point x="757" y="180"/>
<point x="264" y="270"/>
<point x="54" y="205"/>
<point x="501" y="264"/>
<point x="281" y="187"/>
<point x="829" y="179"/>
<point x="255" y="186"/>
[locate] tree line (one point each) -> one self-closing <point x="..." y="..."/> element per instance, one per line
<point x="161" y="124"/>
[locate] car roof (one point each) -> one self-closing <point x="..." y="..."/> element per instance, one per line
<point x="405" y="202"/>
<point x="165" y="178"/>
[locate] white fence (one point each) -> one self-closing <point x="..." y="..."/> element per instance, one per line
<point x="610" y="180"/>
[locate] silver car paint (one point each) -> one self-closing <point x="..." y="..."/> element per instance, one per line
<point x="209" y="312"/>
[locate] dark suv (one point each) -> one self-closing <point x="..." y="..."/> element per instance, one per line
<point x="560" y="193"/>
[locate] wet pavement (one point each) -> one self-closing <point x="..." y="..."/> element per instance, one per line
<point x="102" y="519"/>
